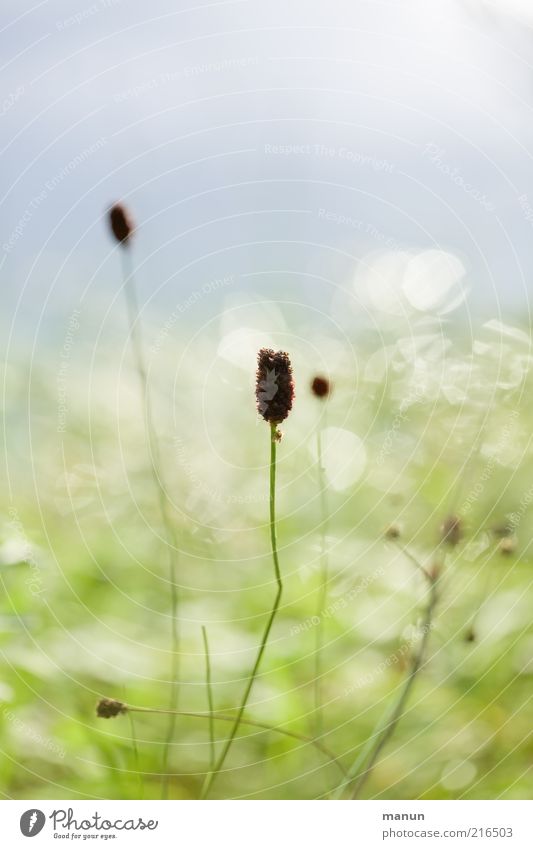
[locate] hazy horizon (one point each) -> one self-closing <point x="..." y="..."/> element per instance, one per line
<point x="313" y="154"/>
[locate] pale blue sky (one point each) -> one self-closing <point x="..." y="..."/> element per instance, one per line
<point x="292" y="138"/>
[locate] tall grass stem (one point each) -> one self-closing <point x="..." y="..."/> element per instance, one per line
<point x="367" y="760"/>
<point x="252" y="723"/>
<point x="209" y="689"/>
<point x="323" y="589"/>
<point x="163" y="500"/>
<point x="211" y="777"/>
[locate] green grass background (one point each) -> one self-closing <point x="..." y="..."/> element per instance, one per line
<point x="444" y="423"/>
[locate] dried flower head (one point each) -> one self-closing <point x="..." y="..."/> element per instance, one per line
<point x="106" y="708"/>
<point x="452" y="531"/>
<point x="320" y="386"/>
<point x="121" y="224"/>
<point x="274" y="389"/>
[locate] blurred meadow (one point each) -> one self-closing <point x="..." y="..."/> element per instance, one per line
<point x="345" y="183"/>
<point x="417" y="428"/>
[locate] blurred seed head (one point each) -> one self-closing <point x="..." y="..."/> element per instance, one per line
<point x="320" y="386"/>
<point x="107" y="708"/>
<point x="274" y="389"/>
<point x="507" y="546"/>
<point x="502" y="530"/>
<point x="121" y="224"/>
<point x="470" y="635"/>
<point x="452" y="531"/>
<point x="393" y="532"/>
<point x="434" y="570"/>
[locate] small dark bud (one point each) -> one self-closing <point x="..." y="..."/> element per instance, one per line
<point x="507" y="546"/>
<point x="274" y="390"/>
<point x="434" y="571"/>
<point x="107" y="708"/>
<point x="120" y="223"/>
<point x="470" y="635"/>
<point x="393" y="532"/>
<point x="320" y="386"/>
<point x="452" y="531"/>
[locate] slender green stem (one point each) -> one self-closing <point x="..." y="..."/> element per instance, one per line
<point x="378" y="741"/>
<point x="411" y="557"/>
<point x="135" y="752"/>
<point x="398" y="710"/>
<point x="355" y="770"/>
<point x="481" y="602"/>
<point x="135" y="749"/>
<point x="163" y="500"/>
<point x="252" y="723"/>
<point x="322" y="592"/>
<point x="210" y="778"/>
<point x="209" y="700"/>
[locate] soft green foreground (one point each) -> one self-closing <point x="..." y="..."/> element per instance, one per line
<point x="441" y="431"/>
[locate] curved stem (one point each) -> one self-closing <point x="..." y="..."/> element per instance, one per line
<point x="263" y="726"/>
<point x="135" y="750"/>
<point x="323" y="590"/>
<point x="156" y="471"/>
<point x="209" y="699"/>
<point x="482" y="600"/>
<point x="414" y="560"/>
<point x="211" y="776"/>
<point x="374" y="747"/>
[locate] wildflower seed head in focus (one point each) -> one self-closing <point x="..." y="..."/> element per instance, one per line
<point x="274" y="389"/>
<point x="320" y="386"/>
<point x="107" y="708"/>
<point x="121" y="224"/>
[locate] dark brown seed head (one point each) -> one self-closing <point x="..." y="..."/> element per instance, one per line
<point x="106" y="708"/>
<point x="320" y="386"/>
<point x="120" y="223"/>
<point x="452" y="531"/>
<point x="274" y="388"/>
